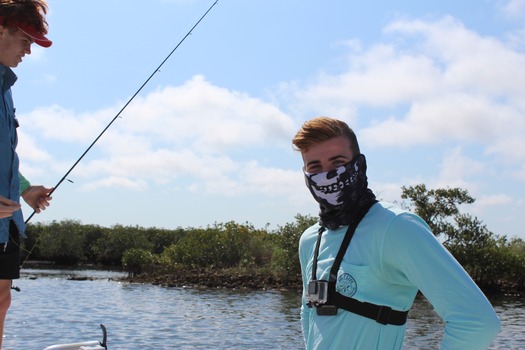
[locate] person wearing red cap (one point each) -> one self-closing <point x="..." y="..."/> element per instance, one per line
<point x="22" y="23"/>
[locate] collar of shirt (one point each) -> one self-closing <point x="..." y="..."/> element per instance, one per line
<point x="7" y="77"/>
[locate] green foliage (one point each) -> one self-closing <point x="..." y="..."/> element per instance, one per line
<point x="162" y="238"/>
<point x="221" y="246"/>
<point x="494" y="265"/>
<point x="494" y="262"/>
<point x="285" y="260"/>
<point x="66" y="242"/>
<point x="199" y="248"/>
<point x="92" y="234"/>
<point x="135" y="259"/>
<point x="62" y="243"/>
<point x="436" y="207"/>
<point x="31" y="245"/>
<point x="515" y="251"/>
<point x="470" y="235"/>
<point x="110" y="247"/>
<point x="474" y="246"/>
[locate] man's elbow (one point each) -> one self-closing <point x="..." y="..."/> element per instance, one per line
<point x="475" y="332"/>
<point x="488" y="327"/>
<point x="492" y="325"/>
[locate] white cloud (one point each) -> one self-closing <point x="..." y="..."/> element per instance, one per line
<point x="210" y="118"/>
<point x="468" y="60"/>
<point x="57" y="123"/>
<point x="519" y="173"/>
<point x="456" y="168"/>
<point x="433" y="83"/>
<point x="28" y="146"/>
<point x="389" y="192"/>
<point x="197" y="134"/>
<point x="425" y="84"/>
<point x="494" y="200"/>
<point x="115" y="182"/>
<point x="381" y="76"/>
<point x="514" y="8"/>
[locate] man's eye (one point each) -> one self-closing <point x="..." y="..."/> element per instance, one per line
<point x="313" y="169"/>
<point x="341" y="162"/>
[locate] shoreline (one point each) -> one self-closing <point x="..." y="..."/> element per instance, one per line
<point x="218" y="278"/>
<point x="227" y="278"/>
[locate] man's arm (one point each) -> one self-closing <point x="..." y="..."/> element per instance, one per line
<point x="470" y="320"/>
<point x="305" y="310"/>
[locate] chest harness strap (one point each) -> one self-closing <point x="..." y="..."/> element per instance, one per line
<point x="380" y="313"/>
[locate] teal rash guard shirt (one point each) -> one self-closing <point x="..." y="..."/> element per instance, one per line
<point x="392" y="255"/>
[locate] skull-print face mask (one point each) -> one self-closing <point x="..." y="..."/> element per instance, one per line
<point x="340" y="191"/>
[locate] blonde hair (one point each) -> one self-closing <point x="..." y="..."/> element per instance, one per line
<point x="322" y="129"/>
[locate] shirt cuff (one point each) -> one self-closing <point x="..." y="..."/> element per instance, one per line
<point x="24" y="184"/>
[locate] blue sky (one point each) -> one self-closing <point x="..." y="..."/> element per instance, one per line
<point x="434" y="90"/>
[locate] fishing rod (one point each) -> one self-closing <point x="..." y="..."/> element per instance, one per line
<point x="127" y="103"/>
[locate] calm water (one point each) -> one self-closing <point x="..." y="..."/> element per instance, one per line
<point x="51" y="310"/>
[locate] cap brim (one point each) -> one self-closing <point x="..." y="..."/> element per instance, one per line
<point x="38" y="38"/>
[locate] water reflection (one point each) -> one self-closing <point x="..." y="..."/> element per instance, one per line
<point x="51" y="309"/>
<point x="511" y="311"/>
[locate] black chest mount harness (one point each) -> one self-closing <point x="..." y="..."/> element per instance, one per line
<point x="323" y="296"/>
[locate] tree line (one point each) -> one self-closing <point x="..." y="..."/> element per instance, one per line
<point x="495" y="262"/>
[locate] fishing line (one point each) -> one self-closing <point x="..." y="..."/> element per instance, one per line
<point x="127" y="103"/>
<point x="121" y="110"/>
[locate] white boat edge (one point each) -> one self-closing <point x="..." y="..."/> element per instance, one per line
<point x="88" y="345"/>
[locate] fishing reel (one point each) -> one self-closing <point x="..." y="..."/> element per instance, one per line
<point x="317" y="296"/>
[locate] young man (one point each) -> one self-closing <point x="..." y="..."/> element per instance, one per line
<point x="22" y="23"/>
<point x="364" y="262"/>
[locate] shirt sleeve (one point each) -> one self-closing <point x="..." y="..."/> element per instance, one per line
<point x="24" y="183"/>
<point x="305" y="317"/>
<point x="305" y="310"/>
<point x="411" y="248"/>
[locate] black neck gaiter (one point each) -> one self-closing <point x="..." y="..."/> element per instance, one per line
<point x="342" y="193"/>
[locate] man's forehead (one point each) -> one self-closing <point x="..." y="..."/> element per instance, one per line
<point x="330" y="148"/>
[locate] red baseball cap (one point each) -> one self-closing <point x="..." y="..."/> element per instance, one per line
<point x="38" y="37"/>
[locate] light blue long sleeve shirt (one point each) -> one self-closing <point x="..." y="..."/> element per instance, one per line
<point x="392" y="255"/>
<point x="9" y="176"/>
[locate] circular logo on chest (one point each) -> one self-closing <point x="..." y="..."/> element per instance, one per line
<point x="346" y="285"/>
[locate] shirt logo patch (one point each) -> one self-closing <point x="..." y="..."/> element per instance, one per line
<point x="346" y="285"/>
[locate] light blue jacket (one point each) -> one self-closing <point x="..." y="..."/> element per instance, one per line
<point x="9" y="176"/>
<point x="392" y="255"/>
